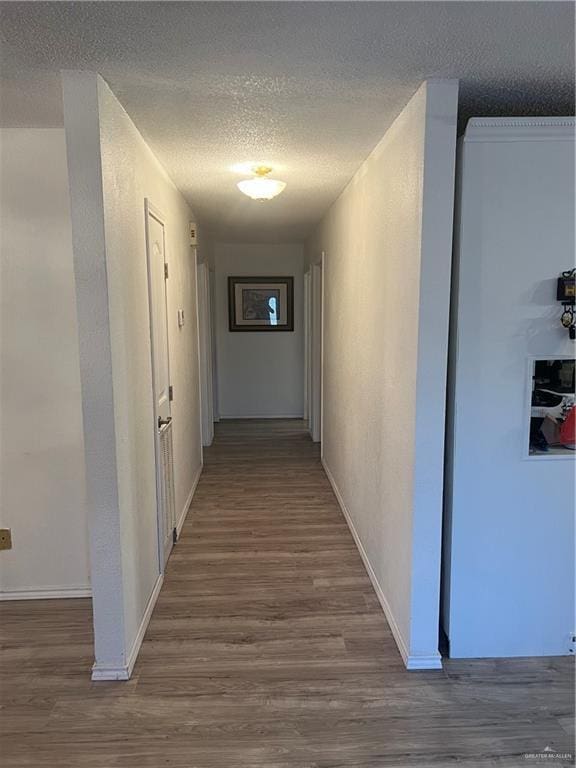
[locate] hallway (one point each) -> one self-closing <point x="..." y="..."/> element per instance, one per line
<point x="267" y="648"/>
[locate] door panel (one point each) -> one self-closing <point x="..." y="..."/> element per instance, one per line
<point x="315" y="400"/>
<point x="159" y="316"/>
<point x="205" y="352"/>
<point x="156" y="253"/>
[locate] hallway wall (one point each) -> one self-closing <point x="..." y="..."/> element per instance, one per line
<point x="42" y="489"/>
<point x="112" y="171"/>
<point x="387" y="243"/>
<point x="259" y="374"/>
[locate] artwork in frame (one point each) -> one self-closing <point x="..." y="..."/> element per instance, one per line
<point x="552" y="407"/>
<point x="261" y="303"/>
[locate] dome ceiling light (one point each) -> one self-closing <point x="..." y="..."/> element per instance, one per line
<point x="261" y="187"/>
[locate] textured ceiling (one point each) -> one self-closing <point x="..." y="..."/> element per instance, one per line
<point x="308" y="87"/>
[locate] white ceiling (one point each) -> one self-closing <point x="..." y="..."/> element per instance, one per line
<point x="308" y="87"/>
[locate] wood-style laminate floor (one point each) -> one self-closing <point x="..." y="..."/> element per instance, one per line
<point x="267" y="648"/>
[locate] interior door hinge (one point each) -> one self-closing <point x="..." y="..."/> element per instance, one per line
<point x="170" y="393"/>
<point x="165" y="270"/>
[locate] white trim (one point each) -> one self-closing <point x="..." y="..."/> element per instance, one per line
<point x="183" y="514"/>
<point x="103" y="672"/>
<point x="433" y="661"/>
<point x="224" y="416"/>
<point x="46" y="593"/>
<point x="520" y="129"/>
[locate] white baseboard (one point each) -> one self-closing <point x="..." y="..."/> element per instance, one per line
<point x="124" y="672"/>
<point x="433" y="661"/>
<point x="184" y="512"/>
<point x="47" y="593"/>
<point x="299" y="416"/>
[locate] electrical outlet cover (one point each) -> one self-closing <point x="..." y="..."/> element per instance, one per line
<point x="5" y="538"/>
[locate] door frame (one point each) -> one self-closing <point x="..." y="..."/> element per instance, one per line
<point x="156" y="213"/>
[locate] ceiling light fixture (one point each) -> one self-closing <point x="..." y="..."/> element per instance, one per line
<point x="261" y="187"/>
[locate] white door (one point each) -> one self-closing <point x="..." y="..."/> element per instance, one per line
<point x="307" y="359"/>
<point x="205" y="350"/>
<point x="212" y="291"/>
<point x="157" y="276"/>
<point x="315" y="354"/>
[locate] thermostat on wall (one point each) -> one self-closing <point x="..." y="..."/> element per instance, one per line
<point x="193" y="234"/>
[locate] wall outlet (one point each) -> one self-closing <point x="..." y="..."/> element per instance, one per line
<point x="193" y="233"/>
<point x="5" y="538"/>
<point x="572" y="643"/>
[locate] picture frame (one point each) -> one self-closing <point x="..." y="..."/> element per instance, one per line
<point x="539" y="410"/>
<point x="261" y="304"/>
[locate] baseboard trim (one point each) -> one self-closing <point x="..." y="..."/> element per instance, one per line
<point x="184" y="513"/>
<point x="124" y="672"/>
<point x="50" y="593"/>
<point x="433" y="661"/>
<point x="228" y="416"/>
<point x="103" y="673"/>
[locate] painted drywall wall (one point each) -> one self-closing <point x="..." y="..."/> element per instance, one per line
<point x="42" y="490"/>
<point x="112" y="172"/>
<point x="130" y="174"/>
<point x="509" y="581"/>
<point x="259" y="374"/>
<point x="387" y="243"/>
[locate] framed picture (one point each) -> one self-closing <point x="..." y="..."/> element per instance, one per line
<point x="261" y="303"/>
<point x="552" y="408"/>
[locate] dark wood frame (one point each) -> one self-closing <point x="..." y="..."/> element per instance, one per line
<point x="287" y="281"/>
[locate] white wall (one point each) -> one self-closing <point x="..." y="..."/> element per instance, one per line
<point x="259" y="374"/>
<point x="42" y="465"/>
<point x="509" y="581"/>
<point x="386" y="292"/>
<point x="112" y="171"/>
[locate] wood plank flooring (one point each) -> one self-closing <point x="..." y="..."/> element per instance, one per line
<point x="267" y="648"/>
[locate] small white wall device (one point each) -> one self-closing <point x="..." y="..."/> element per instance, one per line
<point x="193" y="233"/>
